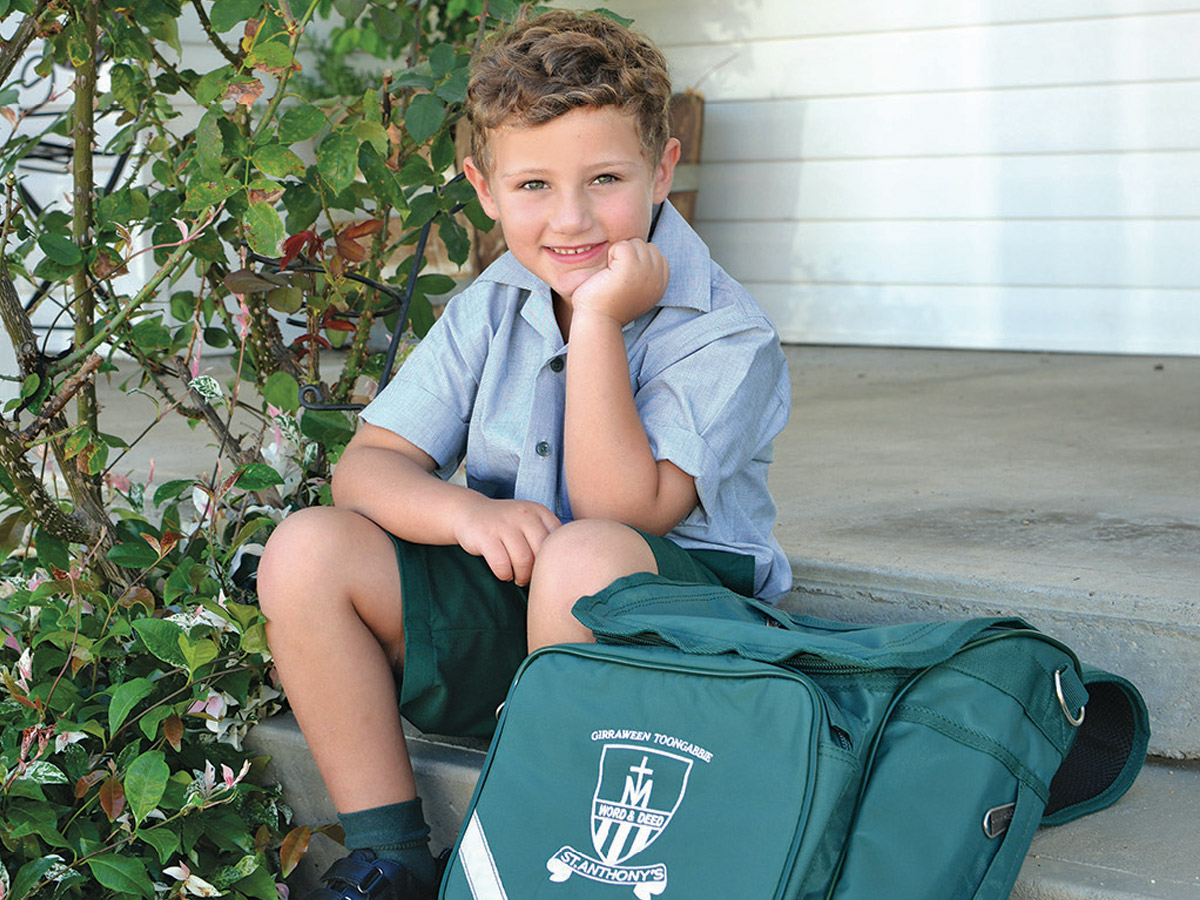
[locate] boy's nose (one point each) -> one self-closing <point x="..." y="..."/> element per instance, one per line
<point x="572" y="213"/>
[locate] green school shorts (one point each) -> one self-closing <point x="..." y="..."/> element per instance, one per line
<point x="464" y="629"/>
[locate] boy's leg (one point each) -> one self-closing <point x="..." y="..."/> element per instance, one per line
<point x="330" y="588"/>
<point x="580" y="558"/>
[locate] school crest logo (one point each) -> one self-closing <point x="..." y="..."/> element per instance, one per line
<point x="637" y="793"/>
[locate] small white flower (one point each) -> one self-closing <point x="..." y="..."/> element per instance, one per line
<point x="193" y="885"/>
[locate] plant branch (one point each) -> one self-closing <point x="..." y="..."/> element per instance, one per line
<point x="14" y="48"/>
<point x="213" y="37"/>
<point x="148" y="292"/>
<point x="59" y="402"/>
<point x="83" y="211"/>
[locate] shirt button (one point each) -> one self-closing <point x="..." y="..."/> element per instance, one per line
<point x="556" y="364"/>
<point x="542" y="448"/>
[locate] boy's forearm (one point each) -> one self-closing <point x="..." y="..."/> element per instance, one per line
<point x="610" y="469"/>
<point x="400" y="495"/>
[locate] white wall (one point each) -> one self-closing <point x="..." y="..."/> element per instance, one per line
<point x="1008" y="174"/>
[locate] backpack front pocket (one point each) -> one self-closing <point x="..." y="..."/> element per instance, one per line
<point x="643" y="772"/>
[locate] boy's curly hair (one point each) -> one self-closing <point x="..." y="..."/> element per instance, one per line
<point x="560" y="60"/>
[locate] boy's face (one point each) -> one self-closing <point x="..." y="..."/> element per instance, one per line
<point x="566" y="191"/>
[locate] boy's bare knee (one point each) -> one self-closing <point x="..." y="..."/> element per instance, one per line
<point x="587" y="549"/>
<point x="578" y="559"/>
<point x="307" y="545"/>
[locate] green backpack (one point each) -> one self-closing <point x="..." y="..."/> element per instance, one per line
<point x="711" y="746"/>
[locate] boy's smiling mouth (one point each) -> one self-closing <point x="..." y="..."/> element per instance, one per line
<point x="573" y="251"/>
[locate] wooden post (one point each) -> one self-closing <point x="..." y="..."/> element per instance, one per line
<point x="687" y="124"/>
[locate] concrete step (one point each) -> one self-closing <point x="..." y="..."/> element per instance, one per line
<point x="1141" y="848"/>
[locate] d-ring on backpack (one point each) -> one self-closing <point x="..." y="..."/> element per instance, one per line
<point x="711" y="747"/>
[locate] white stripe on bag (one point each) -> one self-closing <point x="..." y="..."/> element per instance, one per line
<point x="478" y="864"/>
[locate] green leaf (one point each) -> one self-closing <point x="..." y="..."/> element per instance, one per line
<point x="327" y="427"/>
<point x="133" y="554"/>
<point x="424" y="117"/>
<point x="61" y="249"/>
<point x="209" y="143"/>
<point x="145" y="782"/>
<point x="227" y="13"/>
<point x="211" y="85"/>
<point x="254" y="639"/>
<point x="12" y="529"/>
<point x="420" y="316"/>
<point x="125" y="83"/>
<point x="257" y="477"/>
<point x="336" y="160"/>
<point x="125" y="697"/>
<point x="456" y="239"/>
<point x="372" y="133"/>
<point x="197" y="653"/>
<point x="434" y="285"/>
<point x="272" y="55"/>
<point x="380" y="179"/>
<point x="443" y="152"/>
<point x="42" y="772"/>
<point x="286" y="299"/>
<point x="170" y="490"/>
<point x="282" y="390"/>
<point x="303" y="205"/>
<point x="204" y="192"/>
<point x="442" y="59"/>
<point x="454" y="88"/>
<point x="259" y="884"/>
<point x="388" y="23"/>
<point x="264" y="229"/>
<point x="351" y="9"/>
<point x="31" y="873"/>
<point x="164" y="841"/>
<point x="278" y="161"/>
<point x="300" y="123"/>
<point x="150" y="334"/>
<point x="50" y="550"/>
<point x="124" y="206"/>
<point x="162" y="639"/>
<point x="152" y="719"/>
<point x="125" y="874"/>
<point x="167" y="31"/>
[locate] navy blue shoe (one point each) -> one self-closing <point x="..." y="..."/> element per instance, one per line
<point x="361" y="876"/>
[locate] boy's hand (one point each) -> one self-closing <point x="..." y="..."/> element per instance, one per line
<point x="507" y="534"/>
<point x="633" y="282"/>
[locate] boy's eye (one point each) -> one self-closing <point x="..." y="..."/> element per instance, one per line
<point x="606" y="179"/>
<point x="533" y="185"/>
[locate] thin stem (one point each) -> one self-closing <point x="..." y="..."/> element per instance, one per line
<point x="83" y="213"/>
<point x="213" y="37"/>
<point x="145" y="294"/>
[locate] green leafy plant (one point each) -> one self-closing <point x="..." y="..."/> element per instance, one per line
<point x="133" y="655"/>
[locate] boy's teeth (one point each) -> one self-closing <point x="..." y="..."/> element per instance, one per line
<point x="575" y="252"/>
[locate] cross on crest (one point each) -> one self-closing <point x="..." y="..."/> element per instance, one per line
<point x="637" y="793"/>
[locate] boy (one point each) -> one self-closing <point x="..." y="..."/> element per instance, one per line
<point x="606" y="384"/>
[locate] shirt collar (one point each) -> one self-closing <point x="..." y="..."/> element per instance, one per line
<point x="689" y="287"/>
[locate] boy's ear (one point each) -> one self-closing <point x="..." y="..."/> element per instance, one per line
<point x="482" y="190"/>
<point x="664" y="172"/>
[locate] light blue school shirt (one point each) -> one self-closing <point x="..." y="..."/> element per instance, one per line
<point x="487" y="387"/>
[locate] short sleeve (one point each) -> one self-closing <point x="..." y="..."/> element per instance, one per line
<point x="714" y="409"/>
<point x="430" y="399"/>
